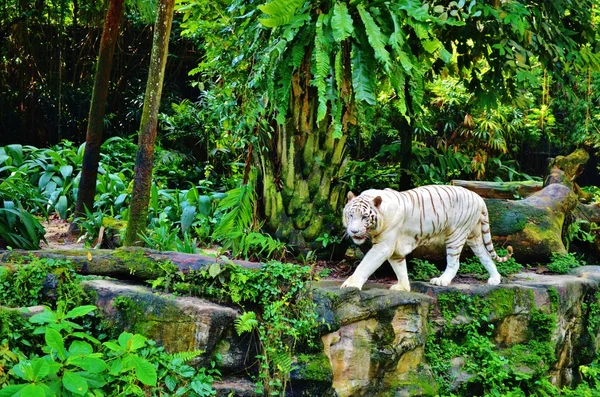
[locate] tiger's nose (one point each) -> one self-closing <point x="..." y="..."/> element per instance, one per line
<point x="354" y="231"/>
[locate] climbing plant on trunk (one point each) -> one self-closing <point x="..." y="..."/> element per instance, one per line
<point x="302" y="74"/>
<point x="138" y="208"/>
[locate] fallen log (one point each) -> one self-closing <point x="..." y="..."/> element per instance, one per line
<point x="534" y="226"/>
<point x="500" y="190"/>
<point x="127" y="263"/>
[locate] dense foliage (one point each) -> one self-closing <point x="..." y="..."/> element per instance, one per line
<point x="65" y="350"/>
<point x="271" y="112"/>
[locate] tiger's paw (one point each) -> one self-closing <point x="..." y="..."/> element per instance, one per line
<point x="351" y="282"/>
<point x="400" y="287"/>
<point x="441" y="281"/>
<point x="494" y="280"/>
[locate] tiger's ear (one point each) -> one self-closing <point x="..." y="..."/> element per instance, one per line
<point x="350" y="196"/>
<point x="377" y="201"/>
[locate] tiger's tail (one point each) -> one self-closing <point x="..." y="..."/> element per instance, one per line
<point x="487" y="239"/>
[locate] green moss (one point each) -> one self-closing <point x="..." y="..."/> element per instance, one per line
<point x="138" y="262"/>
<point x="315" y="367"/>
<point x="554" y="298"/>
<point x="112" y="223"/>
<point x="131" y="316"/>
<point x="542" y="325"/>
<point x="533" y="356"/>
<point x="418" y="385"/>
<point x="501" y="301"/>
<point x="550" y="235"/>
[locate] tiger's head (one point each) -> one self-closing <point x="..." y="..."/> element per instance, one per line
<point x="360" y="216"/>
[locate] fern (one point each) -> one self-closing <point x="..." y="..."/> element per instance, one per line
<point x="341" y="22"/>
<point x="280" y="12"/>
<point x="322" y="62"/>
<point x="397" y="37"/>
<point x="246" y="322"/>
<point x="185" y="356"/>
<point x="375" y="37"/>
<point x="236" y="229"/>
<point x="362" y="75"/>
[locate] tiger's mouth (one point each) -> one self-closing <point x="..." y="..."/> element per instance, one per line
<point x="359" y="239"/>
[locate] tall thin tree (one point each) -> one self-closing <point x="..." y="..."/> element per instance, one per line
<point x="93" y="139"/>
<point x="138" y="208"/>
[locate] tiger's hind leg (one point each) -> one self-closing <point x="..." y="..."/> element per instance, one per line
<point x="399" y="266"/>
<point x="476" y="244"/>
<point x="454" y="247"/>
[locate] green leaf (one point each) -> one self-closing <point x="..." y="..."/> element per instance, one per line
<point x="33" y="390"/>
<point x="44" y="179"/>
<point x="83" y="335"/>
<point x="144" y="371"/>
<point x="113" y="346"/>
<point x="187" y="217"/>
<point x="66" y="171"/>
<point x="341" y="22"/>
<point x="204" y="206"/>
<point x="16" y="152"/>
<point x="431" y="46"/>
<point x="214" y="270"/>
<point x="445" y="55"/>
<point x="40" y="368"/>
<point x="61" y="207"/>
<point x="136" y="342"/>
<point x="170" y="382"/>
<point x="202" y="388"/>
<point x="75" y="383"/>
<point x="322" y="62"/>
<point x="280" y="12"/>
<point x="375" y="37"/>
<point x="121" y="199"/>
<point x="80" y="347"/>
<point x="12" y="390"/>
<point x="363" y="76"/>
<point x="94" y="381"/>
<point x="93" y="365"/>
<point x="124" y="337"/>
<point x="80" y="311"/>
<point x="55" y="341"/>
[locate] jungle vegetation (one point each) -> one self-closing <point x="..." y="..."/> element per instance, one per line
<point x="249" y="128"/>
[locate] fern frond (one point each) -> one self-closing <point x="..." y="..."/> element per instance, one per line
<point x="297" y="55"/>
<point x="246" y="322"/>
<point x="280" y="12"/>
<point x="375" y="37"/>
<point x="341" y="22"/>
<point x="322" y="62"/>
<point x="417" y="91"/>
<point x="397" y="37"/>
<point x="362" y="75"/>
<point x="282" y="361"/>
<point x="186" y="356"/>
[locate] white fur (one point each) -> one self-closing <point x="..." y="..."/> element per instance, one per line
<point x="422" y="216"/>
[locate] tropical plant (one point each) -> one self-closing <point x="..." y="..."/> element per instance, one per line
<point x="304" y="73"/>
<point x="238" y="231"/>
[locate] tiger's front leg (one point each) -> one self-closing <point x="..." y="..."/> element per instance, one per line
<point x="372" y="261"/>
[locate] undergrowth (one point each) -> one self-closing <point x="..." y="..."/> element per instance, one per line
<point x="277" y="304"/>
<point x="63" y="350"/>
<point x="466" y="346"/>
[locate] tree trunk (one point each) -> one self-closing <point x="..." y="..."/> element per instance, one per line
<point x="93" y="139"/>
<point x="124" y="263"/>
<point x="138" y="209"/>
<point x="301" y="172"/>
<point x="500" y="190"/>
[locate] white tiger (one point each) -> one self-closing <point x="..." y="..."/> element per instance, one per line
<point x="399" y="222"/>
